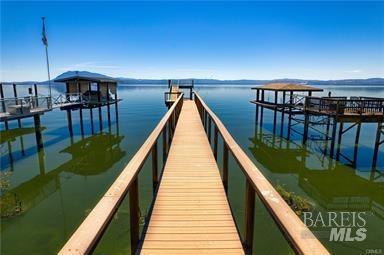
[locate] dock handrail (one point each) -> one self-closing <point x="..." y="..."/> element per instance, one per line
<point x="340" y="105"/>
<point x="295" y="231"/>
<point x="87" y="235"/>
<point x="68" y="98"/>
<point x="32" y="102"/>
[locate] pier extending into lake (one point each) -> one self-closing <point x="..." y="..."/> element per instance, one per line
<point x="329" y="113"/>
<point x="191" y="213"/>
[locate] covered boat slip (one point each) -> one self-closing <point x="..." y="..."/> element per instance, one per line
<point x="191" y="213"/>
<point x="87" y="90"/>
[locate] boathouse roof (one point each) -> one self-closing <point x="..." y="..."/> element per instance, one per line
<point x="287" y="87"/>
<point x="83" y="76"/>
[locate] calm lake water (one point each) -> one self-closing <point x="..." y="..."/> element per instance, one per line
<point x="57" y="187"/>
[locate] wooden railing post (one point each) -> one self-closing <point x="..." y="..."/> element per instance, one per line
<point x="134" y="215"/>
<point x="205" y="119"/>
<point x="164" y="145"/>
<point x="209" y="128"/>
<point x="215" y="139"/>
<point x="249" y="216"/>
<point x="225" y="166"/>
<point x="155" y="175"/>
<point x="169" y="132"/>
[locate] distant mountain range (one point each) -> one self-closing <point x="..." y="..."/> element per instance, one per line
<point x="371" y="81"/>
<point x="131" y="81"/>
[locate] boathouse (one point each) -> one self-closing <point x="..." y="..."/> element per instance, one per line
<point x="89" y="89"/>
<point x="321" y="114"/>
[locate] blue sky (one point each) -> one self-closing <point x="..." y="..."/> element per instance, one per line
<point x="180" y="39"/>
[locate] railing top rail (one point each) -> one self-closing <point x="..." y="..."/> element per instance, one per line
<point x="297" y="233"/>
<point x="87" y="234"/>
<point x="22" y="97"/>
<point x="345" y="99"/>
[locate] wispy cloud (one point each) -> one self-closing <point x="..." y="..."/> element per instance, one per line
<point x="354" y="71"/>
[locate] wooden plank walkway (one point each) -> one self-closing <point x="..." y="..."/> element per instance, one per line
<point x="174" y="95"/>
<point x="191" y="214"/>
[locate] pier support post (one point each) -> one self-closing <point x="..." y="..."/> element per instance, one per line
<point x="377" y="144"/>
<point x="225" y="166"/>
<point x="333" y="138"/>
<point x="91" y="117"/>
<point x="69" y="117"/>
<point x="306" y="127"/>
<point x="3" y="105"/>
<point x="99" y="104"/>
<point x="262" y="109"/>
<point x="257" y="106"/>
<point x="108" y="109"/>
<point x="36" y="94"/>
<point x="116" y="109"/>
<point x="327" y="135"/>
<point x="275" y="114"/>
<point x="282" y="117"/>
<point x="249" y="217"/>
<point x="81" y="122"/>
<point x="155" y="174"/>
<point x="15" y="94"/>
<point x="339" y="140"/>
<point x="134" y="216"/>
<point x="39" y="138"/>
<point x="356" y="146"/>
<point x="290" y="115"/>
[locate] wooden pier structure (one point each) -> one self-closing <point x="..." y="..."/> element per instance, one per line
<point x="325" y="116"/>
<point x="175" y="90"/>
<point x="191" y="213"/>
<point x="84" y="90"/>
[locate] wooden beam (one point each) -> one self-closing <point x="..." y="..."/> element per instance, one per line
<point x="164" y="145"/>
<point x="341" y="126"/>
<point x="3" y="105"/>
<point x="377" y="144"/>
<point x="249" y="216"/>
<point x="155" y="172"/>
<point x="15" y="95"/>
<point x="225" y="166"/>
<point x="134" y="215"/>
<point x="215" y="141"/>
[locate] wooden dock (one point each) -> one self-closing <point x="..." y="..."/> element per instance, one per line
<point x="171" y="96"/>
<point x="191" y="214"/>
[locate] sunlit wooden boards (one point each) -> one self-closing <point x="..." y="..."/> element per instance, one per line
<point x="191" y="214"/>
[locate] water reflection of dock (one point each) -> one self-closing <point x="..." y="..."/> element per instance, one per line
<point x="92" y="155"/>
<point x="333" y="185"/>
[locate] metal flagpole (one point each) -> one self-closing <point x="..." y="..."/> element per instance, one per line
<point x="45" y="42"/>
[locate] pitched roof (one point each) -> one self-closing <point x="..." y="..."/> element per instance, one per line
<point x="287" y="87"/>
<point x="83" y="75"/>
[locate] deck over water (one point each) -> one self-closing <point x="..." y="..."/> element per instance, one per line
<point x="191" y="214"/>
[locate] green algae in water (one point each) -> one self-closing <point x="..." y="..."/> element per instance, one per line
<point x="10" y="204"/>
<point x="296" y="202"/>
